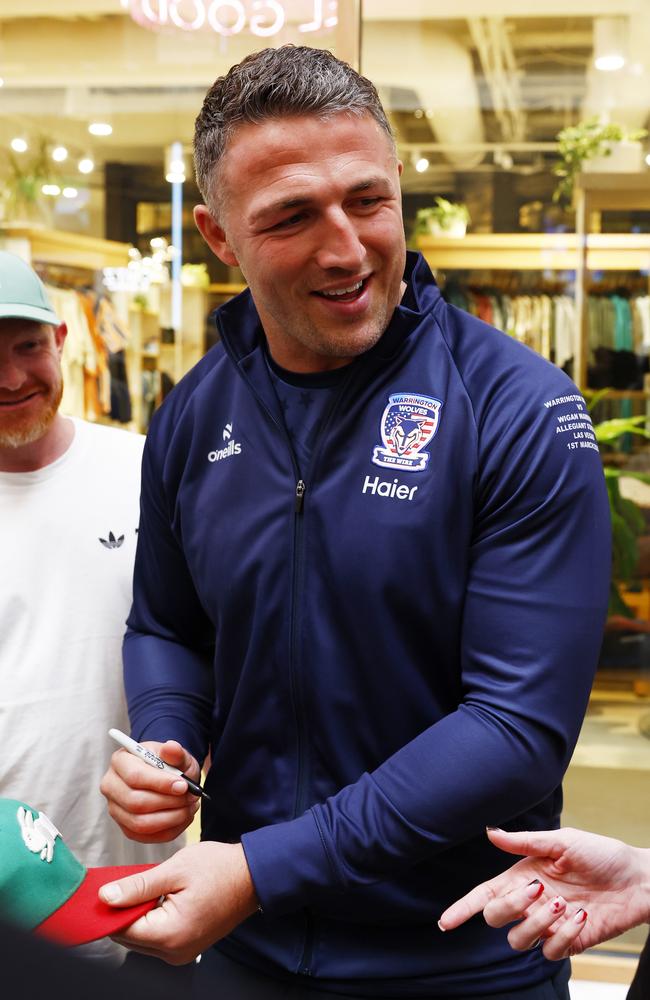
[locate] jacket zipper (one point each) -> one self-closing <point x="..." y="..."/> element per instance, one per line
<point x="305" y="963"/>
<point x="304" y="966"/>
<point x="296" y="680"/>
<point x="300" y="495"/>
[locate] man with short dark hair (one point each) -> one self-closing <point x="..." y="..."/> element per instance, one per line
<point x="371" y="580"/>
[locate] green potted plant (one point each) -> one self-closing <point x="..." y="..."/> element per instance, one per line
<point x="21" y="198"/>
<point x="446" y="218"/>
<point x="593" y="144"/>
<point x="628" y="522"/>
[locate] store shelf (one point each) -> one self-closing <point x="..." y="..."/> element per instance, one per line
<point x="592" y="195"/>
<point x="625" y="394"/>
<point x="51" y="246"/>
<point x="536" y="252"/>
<point x="614" y="191"/>
<point x="582" y="252"/>
<point x="227" y="288"/>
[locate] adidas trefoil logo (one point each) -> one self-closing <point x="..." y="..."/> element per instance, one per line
<point x="232" y="448"/>
<point x="113" y="542"/>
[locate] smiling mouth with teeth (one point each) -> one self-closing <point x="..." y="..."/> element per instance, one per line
<point x="341" y="293"/>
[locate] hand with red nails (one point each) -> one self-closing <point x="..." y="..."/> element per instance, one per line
<point x="570" y="891"/>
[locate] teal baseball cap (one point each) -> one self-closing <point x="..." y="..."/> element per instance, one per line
<point x="46" y="889"/>
<point x="22" y="293"/>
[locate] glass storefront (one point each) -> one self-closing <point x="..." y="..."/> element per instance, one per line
<point x="97" y="106"/>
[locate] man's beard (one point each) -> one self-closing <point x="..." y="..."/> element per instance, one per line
<point x="20" y="431"/>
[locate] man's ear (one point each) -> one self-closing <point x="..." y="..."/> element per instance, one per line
<point x="60" y="333"/>
<point x="214" y="236"/>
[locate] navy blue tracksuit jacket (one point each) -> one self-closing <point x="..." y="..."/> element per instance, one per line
<point x="384" y="652"/>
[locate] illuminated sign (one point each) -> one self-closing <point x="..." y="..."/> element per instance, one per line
<point x="230" y="17"/>
<point x="126" y="279"/>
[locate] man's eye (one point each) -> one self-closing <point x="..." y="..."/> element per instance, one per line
<point x="292" y="220"/>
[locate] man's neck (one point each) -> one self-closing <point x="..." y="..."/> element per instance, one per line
<point x="36" y="455"/>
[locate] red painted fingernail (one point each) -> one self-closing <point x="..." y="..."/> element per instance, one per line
<point x="558" y="904"/>
<point x="535" y="889"/>
<point x="581" y="916"/>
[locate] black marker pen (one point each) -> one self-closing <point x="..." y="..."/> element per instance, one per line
<point x="149" y="757"/>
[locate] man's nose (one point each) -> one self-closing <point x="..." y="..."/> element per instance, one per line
<point x="11" y="374"/>
<point x="340" y="245"/>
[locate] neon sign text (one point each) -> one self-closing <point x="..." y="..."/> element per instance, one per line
<point x="229" y="17"/>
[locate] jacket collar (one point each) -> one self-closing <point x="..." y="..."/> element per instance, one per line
<point x="242" y="334"/>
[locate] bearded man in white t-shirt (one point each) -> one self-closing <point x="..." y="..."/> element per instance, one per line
<point x="69" y="497"/>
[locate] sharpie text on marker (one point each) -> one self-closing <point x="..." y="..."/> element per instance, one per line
<point x="149" y="757"/>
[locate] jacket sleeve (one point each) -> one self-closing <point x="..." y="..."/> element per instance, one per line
<point x="536" y="599"/>
<point x="168" y="647"/>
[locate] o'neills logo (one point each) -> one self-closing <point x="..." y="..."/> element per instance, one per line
<point x="232" y="448"/>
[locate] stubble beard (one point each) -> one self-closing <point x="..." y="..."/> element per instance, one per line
<point x="329" y="342"/>
<point x="344" y="344"/>
<point x="22" y="431"/>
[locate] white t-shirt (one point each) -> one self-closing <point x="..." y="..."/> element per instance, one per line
<point x="67" y="541"/>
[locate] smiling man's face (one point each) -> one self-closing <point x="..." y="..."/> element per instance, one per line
<point x="31" y="385"/>
<point x="312" y="215"/>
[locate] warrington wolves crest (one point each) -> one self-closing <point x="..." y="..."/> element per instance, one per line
<point x="408" y="424"/>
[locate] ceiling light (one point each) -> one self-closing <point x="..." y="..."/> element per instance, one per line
<point x="610" y="43"/>
<point x="2" y="83"/>
<point x="59" y="153"/>
<point x="51" y="189"/>
<point x="86" y="166"/>
<point x="70" y="192"/>
<point x="647" y="159"/>
<point x="421" y="164"/>
<point x="100" y="128"/>
<point x="19" y="145"/>
<point x="610" y="63"/>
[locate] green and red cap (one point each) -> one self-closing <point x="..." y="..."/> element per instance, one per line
<point x="45" y="888"/>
